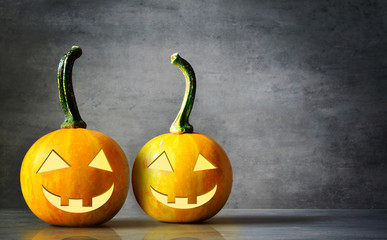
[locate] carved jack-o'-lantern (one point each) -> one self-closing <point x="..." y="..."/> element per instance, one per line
<point x="74" y="176"/>
<point x="182" y="176"/>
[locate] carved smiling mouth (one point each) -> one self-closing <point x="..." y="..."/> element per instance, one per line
<point x="76" y="205"/>
<point x="182" y="202"/>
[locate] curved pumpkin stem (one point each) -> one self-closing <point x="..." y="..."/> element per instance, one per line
<point x="66" y="92"/>
<point x="181" y="124"/>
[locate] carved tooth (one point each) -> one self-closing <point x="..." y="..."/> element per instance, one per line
<point x="192" y="200"/>
<point x="64" y="201"/>
<point x="87" y="202"/>
<point x="171" y="198"/>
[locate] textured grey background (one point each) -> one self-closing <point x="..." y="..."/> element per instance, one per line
<point x="294" y="91"/>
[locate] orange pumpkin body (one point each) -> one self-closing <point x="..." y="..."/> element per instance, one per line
<point x="182" y="183"/>
<point x="78" y="181"/>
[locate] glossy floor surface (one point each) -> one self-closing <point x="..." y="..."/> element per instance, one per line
<point x="228" y="224"/>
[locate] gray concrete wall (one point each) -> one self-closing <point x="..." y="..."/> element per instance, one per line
<point x="294" y="91"/>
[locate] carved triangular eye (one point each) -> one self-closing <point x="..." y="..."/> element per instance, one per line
<point x="53" y="162"/>
<point x="161" y="163"/>
<point x="100" y="161"/>
<point x="203" y="164"/>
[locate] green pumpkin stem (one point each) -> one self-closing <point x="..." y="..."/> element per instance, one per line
<point x="66" y="92"/>
<point x="181" y="124"/>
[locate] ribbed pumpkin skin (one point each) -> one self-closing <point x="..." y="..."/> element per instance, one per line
<point x="77" y="147"/>
<point x="182" y="151"/>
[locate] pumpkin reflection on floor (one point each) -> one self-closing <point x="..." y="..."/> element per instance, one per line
<point x="178" y="231"/>
<point x="59" y="233"/>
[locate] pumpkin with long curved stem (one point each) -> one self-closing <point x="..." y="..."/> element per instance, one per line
<point x="182" y="176"/>
<point x="74" y="176"/>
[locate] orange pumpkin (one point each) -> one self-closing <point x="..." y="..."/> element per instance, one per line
<point x="74" y="176"/>
<point x="182" y="176"/>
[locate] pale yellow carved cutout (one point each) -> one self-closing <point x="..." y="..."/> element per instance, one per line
<point x="100" y="161"/>
<point x="76" y="205"/>
<point x="203" y="164"/>
<point x="53" y="162"/>
<point x="161" y="163"/>
<point x="182" y="202"/>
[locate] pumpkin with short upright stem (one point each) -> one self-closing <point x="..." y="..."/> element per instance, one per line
<point x="74" y="176"/>
<point x="182" y="176"/>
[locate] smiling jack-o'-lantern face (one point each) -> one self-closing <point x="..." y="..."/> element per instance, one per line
<point x="162" y="163"/>
<point x="74" y="176"/>
<point x="182" y="178"/>
<point x="76" y="203"/>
